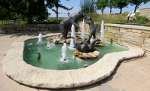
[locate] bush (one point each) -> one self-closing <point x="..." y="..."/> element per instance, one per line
<point x="48" y="21"/>
<point x="54" y="21"/>
<point x="114" y="18"/>
<point x="141" y="20"/>
<point x="120" y="19"/>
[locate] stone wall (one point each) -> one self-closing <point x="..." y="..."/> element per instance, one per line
<point x="145" y="12"/>
<point x="128" y="34"/>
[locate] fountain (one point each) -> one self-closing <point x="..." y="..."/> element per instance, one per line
<point x="83" y="30"/>
<point x="92" y="39"/>
<point x="58" y="67"/>
<point x="73" y="34"/>
<point x="82" y="52"/>
<point x="50" y="45"/>
<point x="102" y="32"/>
<point x="73" y="38"/>
<point x="72" y="44"/>
<point x="39" y="39"/>
<point x="63" y="53"/>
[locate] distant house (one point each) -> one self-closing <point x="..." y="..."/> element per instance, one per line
<point x="145" y="12"/>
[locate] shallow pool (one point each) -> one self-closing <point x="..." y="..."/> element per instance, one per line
<point x="50" y="58"/>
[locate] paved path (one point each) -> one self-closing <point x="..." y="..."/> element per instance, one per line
<point x="124" y="79"/>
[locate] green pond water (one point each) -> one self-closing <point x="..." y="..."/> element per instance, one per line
<point x="50" y="58"/>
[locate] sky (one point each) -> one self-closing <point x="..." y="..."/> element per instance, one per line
<point x="76" y="7"/>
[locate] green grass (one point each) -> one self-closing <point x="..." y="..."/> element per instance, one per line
<point x="108" y="18"/>
<point x="119" y="19"/>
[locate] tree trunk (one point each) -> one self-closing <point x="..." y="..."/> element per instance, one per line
<point x="102" y="10"/>
<point x="110" y="9"/>
<point x="57" y="12"/>
<point x="29" y="18"/>
<point x="120" y="10"/>
<point x="135" y="8"/>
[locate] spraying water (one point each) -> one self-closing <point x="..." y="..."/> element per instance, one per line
<point x="102" y="31"/>
<point x="92" y="39"/>
<point x="73" y="33"/>
<point x="83" y="30"/>
<point x="39" y="39"/>
<point x="63" y="53"/>
<point x="73" y="37"/>
<point x="50" y="45"/>
<point x="72" y="44"/>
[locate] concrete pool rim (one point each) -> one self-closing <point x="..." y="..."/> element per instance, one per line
<point x="17" y="69"/>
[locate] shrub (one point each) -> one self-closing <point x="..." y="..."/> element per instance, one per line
<point x="141" y="20"/>
<point x="54" y="21"/>
<point x="115" y="18"/>
<point x="120" y="19"/>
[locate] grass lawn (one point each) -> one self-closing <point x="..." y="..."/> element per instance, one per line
<point x="120" y="19"/>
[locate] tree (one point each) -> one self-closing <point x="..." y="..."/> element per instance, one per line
<point x="29" y="9"/>
<point x="36" y="11"/>
<point x="137" y="3"/>
<point x="16" y="7"/>
<point x="54" y="5"/>
<point x="102" y="4"/>
<point x="5" y="14"/>
<point x="121" y="4"/>
<point x="111" y="4"/>
<point x="88" y="6"/>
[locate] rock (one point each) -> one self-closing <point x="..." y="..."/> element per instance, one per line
<point x="96" y="53"/>
<point x="89" y="55"/>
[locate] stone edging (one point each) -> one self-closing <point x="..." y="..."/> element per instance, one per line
<point x="20" y="71"/>
<point x="129" y="26"/>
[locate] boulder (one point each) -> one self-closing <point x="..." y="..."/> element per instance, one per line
<point x="90" y="55"/>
